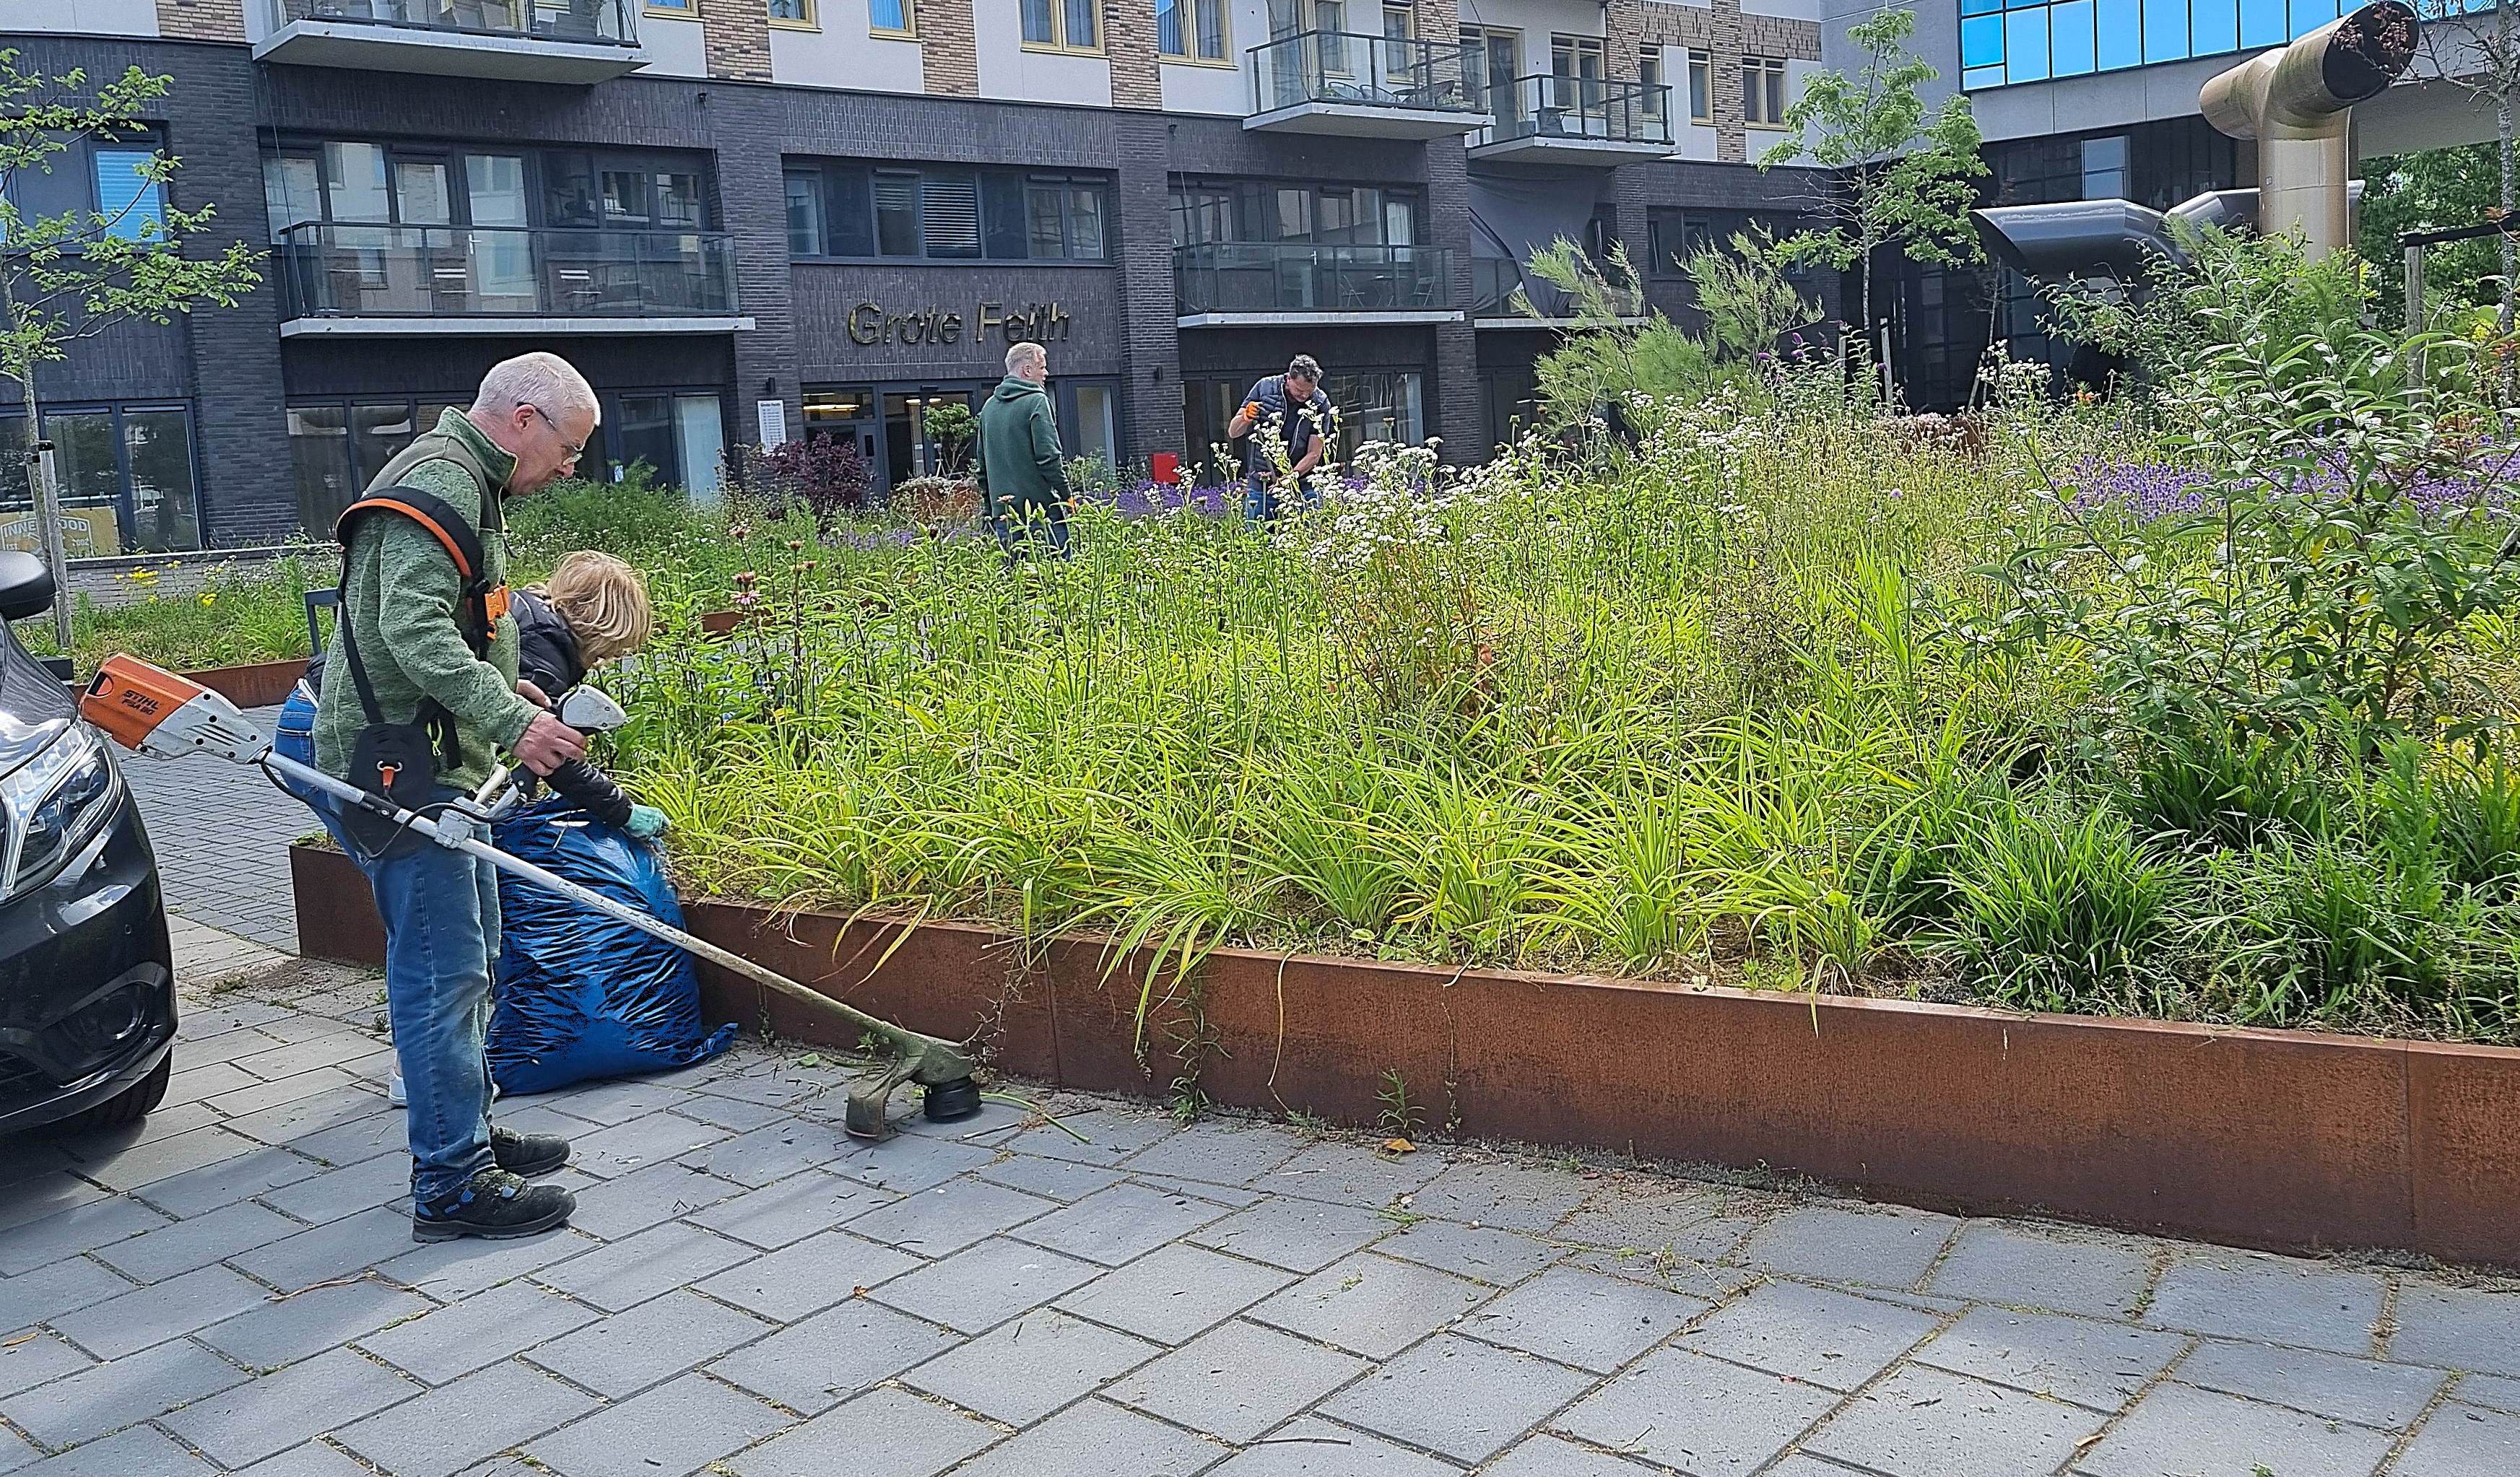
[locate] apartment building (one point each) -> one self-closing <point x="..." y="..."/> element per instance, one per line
<point x="750" y="220"/>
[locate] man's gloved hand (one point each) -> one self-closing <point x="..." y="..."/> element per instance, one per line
<point x="647" y="823"/>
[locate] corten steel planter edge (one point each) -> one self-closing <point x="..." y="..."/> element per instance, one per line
<point x="257" y="686"/>
<point x="2280" y="1140"/>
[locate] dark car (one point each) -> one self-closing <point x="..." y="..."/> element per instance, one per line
<point x="87" y="975"/>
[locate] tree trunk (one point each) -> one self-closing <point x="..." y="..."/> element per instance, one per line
<point x="2504" y="84"/>
<point x="48" y="513"/>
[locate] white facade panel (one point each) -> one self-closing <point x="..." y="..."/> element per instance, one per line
<point x="1537" y="19"/>
<point x="1791" y="10"/>
<point x="678" y="48"/>
<point x="844" y="54"/>
<point x="93" y="18"/>
<point x="1222" y="90"/>
<point x="1011" y="74"/>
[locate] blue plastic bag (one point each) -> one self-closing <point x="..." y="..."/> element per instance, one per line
<point x="580" y="995"/>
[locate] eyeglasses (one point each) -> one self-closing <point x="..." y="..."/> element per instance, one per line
<point x="576" y="449"/>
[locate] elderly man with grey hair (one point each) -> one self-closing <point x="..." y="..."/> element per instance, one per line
<point x="430" y="698"/>
<point x="1022" y="475"/>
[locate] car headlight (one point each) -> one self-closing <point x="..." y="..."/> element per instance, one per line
<point x="55" y="802"/>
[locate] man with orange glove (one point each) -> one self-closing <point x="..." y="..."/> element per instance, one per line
<point x="1292" y="405"/>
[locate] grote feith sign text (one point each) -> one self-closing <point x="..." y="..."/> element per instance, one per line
<point x="1041" y="322"/>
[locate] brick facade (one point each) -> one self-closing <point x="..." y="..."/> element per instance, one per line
<point x="736" y="33"/>
<point x="947" y="52"/>
<point x="1129" y="41"/>
<point x="202" y="20"/>
<point x="1726" y="35"/>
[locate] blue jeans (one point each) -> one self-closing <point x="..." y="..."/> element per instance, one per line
<point x="1022" y="529"/>
<point x="293" y="738"/>
<point x="441" y="914"/>
<point x="1260" y="500"/>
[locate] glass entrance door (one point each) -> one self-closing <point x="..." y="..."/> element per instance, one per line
<point x="908" y="450"/>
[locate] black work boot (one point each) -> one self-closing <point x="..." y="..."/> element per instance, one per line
<point x="528" y="1154"/>
<point x="494" y="1205"/>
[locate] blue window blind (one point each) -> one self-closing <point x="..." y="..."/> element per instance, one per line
<point x="130" y="202"/>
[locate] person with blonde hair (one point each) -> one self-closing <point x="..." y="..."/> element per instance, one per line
<point x="592" y="608"/>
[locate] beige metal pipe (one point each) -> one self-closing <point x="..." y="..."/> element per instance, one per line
<point x="2297" y="103"/>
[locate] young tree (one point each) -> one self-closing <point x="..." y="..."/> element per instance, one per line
<point x="2459" y="44"/>
<point x="2429" y="190"/>
<point x="73" y="275"/>
<point x="1894" y="174"/>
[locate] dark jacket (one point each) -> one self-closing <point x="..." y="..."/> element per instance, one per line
<point x="547" y="657"/>
<point x="1296" y="425"/>
<point x="1019" y="464"/>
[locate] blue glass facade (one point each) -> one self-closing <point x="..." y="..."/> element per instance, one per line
<point x="2007" y="42"/>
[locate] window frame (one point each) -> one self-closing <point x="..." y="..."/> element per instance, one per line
<point x="1657" y="92"/>
<point x="1697" y="79"/>
<point x="673" y="10"/>
<point x="126" y="508"/>
<point x="811" y="17"/>
<point x="1224" y="58"/>
<point x="1060" y="46"/>
<point x="863" y="174"/>
<point x="908" y="30"/>
<point x="1764" y="67"/>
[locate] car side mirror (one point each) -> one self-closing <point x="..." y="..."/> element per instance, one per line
<point x="25" y="586"/>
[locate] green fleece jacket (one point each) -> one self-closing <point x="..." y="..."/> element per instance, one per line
<point x="399" y="597"/>
<point x="1019" y="464"/>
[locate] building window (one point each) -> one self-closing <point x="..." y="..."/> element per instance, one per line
<point x="124" y="475"/>
<point x="892" y="18"/>
<point x="95" y="177"/>
<point x="1207" y="212"/>
<point x="1575" y="72"/>
<point x="133" y="205"/>
<point x="1191" y="31"/>
<point x="847" y="212"/>
<point x="1701" y="92"/>
<point x="1063" y="24"/>
<point x="796" y="13"/>
<point x="1490" y="63"/>
<point x="2009" y="41"/>
<point x="1649" y="77"/>
<point x="2104" y="168"/>
<point x="677" y="9"/>
<point x="1763" y="92"/>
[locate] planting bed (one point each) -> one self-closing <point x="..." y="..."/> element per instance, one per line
<point x="2271" y="1138"/>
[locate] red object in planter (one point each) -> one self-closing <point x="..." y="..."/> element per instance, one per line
<point x="1164" y="467"/>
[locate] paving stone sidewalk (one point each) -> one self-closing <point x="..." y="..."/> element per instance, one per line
<point x="221" y="833"/>
<point x="746" y="1291"/>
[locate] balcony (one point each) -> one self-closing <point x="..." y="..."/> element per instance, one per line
<point x="1225" y="283"/>
<point x="384" y="281"/>
<point x="1362" y="86"/>
<point x="1555" y="121"/>
<point x="581" y="41"/>
<point x="1493" y="280"/>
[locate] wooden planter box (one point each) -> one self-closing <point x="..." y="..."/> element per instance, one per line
<point x="261" y="685"/>
<point x="722" y="622"/>
<point x="2281" y="1139"/>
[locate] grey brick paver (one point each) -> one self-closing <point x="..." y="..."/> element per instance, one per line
<point x="268" y="1415"/>
<point x="1459" y="1397"/>
<point x="1353" y="1174"/>
<point x="1297" y="1234"/>
<point x="1926" y="1423"/>
<point x="884" y="1433"/>
<point x="1371" y="1305"/>
<point x="479" y="1331"/>
<point x="446" y="1430"/>
<point x="826" y="1359"/>
<point x="941" y="1221"/>
<point x="377" y="1180"/>
<point x="670" y="1431"/>
<point x="772" y="1151"/>
<point x="2462" y="1440"/>
<point x="1121" y="1223"/>
<point x="1051" y="1179"/>
<point x="161" y="1158"/>
<point x="40" y="1296"/>
<point x="313" y="1459"/>
<point x="196" y="1242"/>
<point x="141" y="1451"/>
<point x="1097" y="1439"/>
<point x="1583" y="1319"/>
<point x="1318" y="1449"/>
<point x="109" y="1396"/>
<point x="29" y="1362"/>
<point x="1883" y="1247"/>
<point x="312" y="1321"/>
<point x="2279" y="1299"/>
<point x="2463" y="1328"/>
<point x="1521" y="1197"/>
<point x="2090" y="1363"/>
<point x="2195" y="1433"/>
<point x="778" y="1215"/>
<point x="1221" y="1154"/>
<point x="2363" y="1391"/>
<point x="1237" y="1381"/>
<point x="2022" y="1268"/>
<point x="808" y="1276"/>
<point x="1174" y="1294"/>
<point x="1703" y="1415"/>
<point x="977" y="1289"/>
<point x="349" y="1245"/>
<point x="259" y="1170"/>
<point x="612" y="1209"/>
<point x="2491" y="1391"/>
<point x="1498" y="1257"/>
<point x="1557" y="1457"/>
<point x="36" y="1243"/>
<point x="622" y="1275"/>
<point x="1831" y="1339"/>
<point x="146" y="1316"/>
<point x="1030" y="1367"/>
<point x="651" y="1343"/>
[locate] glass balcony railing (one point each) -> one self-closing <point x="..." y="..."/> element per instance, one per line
<point x="1243" y="277"/>
<point x="595" y="22"/>
<point x="1579" y="110"/>
<point x="344" y="271"/>
<point x="1360" y="71"/>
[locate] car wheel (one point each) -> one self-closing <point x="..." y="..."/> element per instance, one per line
<point x="129" y="1106"/>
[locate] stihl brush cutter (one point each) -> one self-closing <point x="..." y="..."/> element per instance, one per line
<point x="154" y="712"/>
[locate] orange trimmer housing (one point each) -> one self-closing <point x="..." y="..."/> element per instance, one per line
<point x="128" y="699"/>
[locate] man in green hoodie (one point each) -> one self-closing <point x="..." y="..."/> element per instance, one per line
<point x="1022" y="474"/>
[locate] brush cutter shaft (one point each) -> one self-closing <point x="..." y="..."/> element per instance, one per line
<point x="932" y="1060"/>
